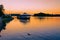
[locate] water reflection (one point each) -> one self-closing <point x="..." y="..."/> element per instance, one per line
<point x="24" y="20"/>
<point x="40" y="17"/>
<point x="2" y="27"/>
<point x="3" y="22"/>
<point x="47" y="29"/>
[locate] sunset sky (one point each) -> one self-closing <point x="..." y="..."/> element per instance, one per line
<point x="32" y="6"/>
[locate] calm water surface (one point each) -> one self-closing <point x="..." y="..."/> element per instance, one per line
<point x="35" y="28"/>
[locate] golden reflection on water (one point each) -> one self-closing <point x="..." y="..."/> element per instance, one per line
<point x="35" y="25"/>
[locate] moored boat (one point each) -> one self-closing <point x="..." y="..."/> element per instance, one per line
<point x="24" y="16"/>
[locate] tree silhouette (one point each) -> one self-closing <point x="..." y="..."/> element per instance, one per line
<point x="1" y="10"/>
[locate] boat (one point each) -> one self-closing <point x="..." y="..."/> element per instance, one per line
<point x="24" y="16"/>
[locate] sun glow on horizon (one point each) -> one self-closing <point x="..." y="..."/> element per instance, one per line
<point x="31" y="6"/>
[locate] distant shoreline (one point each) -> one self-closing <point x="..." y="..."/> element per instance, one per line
<point x="47" y="15"/>
<point x="37" y="14"/>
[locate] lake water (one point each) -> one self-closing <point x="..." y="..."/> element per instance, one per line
<point x="35" y="28"/>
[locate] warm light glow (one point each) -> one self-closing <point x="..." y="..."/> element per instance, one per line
<point x="31" y="6"/>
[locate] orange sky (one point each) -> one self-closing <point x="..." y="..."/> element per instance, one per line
<point x="31" y="6"/>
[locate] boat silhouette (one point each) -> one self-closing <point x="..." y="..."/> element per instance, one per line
<point x="24" y="16"/>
